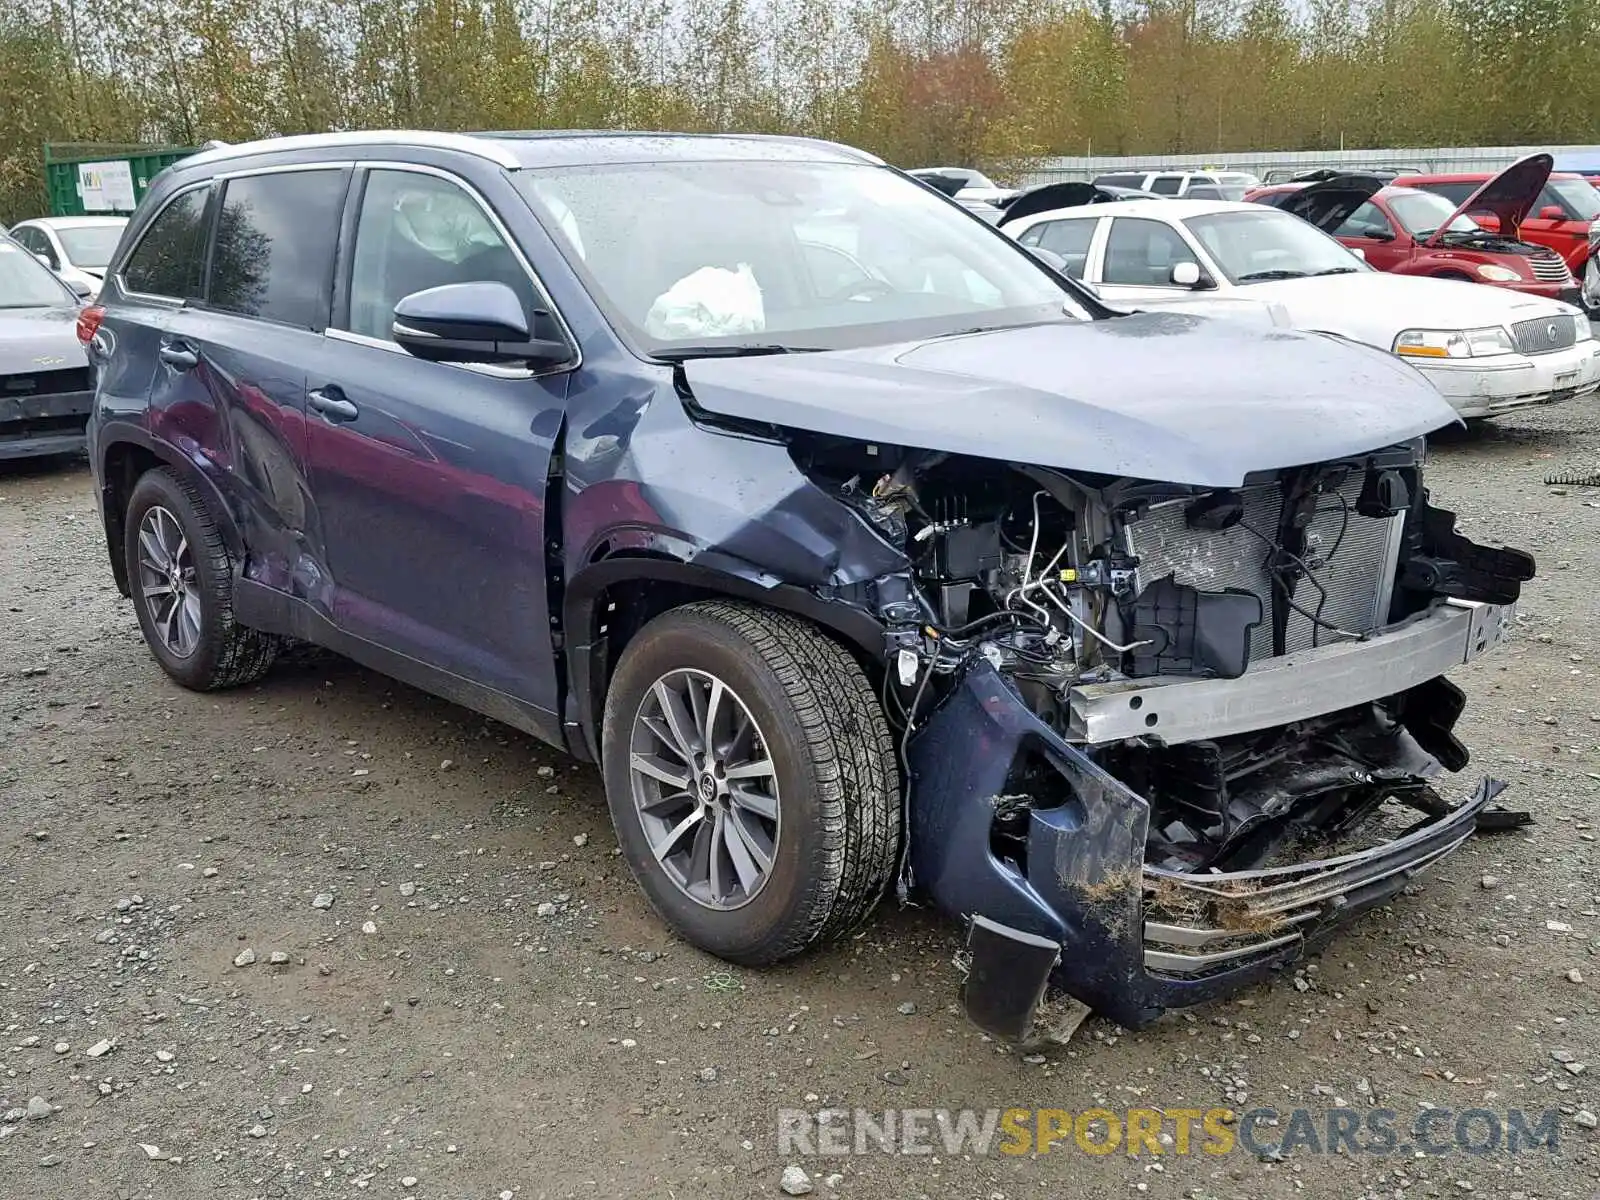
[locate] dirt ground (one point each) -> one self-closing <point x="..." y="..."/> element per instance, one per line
<point x="488" y="1008"/>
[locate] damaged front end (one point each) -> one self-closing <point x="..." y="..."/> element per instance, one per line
<point x="1159" y="739"/>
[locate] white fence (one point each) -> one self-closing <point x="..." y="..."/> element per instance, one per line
<point x="1282" y="163"/>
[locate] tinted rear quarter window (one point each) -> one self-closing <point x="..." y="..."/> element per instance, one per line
<point x="1131" y="181"/>
<point x="1166" y="185"/>
<point x="170" y="258"/>
<point x="273" y="257"/>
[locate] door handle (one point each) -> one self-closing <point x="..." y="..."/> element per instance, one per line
<point x="178" y="355"/>
<point x="330" y="402"/>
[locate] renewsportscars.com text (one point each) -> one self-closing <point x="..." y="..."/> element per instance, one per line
<point x="1264" y="1132"/>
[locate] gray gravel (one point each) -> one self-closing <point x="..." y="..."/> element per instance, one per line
<point x="518" y="1024"/>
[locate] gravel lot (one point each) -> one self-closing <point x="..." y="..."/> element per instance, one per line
<point x="456" y="990"/>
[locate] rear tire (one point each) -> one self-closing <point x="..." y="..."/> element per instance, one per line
<point x="832" y="792"/>
<point x="180" y="573"/>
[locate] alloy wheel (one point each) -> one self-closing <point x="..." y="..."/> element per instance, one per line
<point x="705" y="789"/>
<point x="167" y="581"/>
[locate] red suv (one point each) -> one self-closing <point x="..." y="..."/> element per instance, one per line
<point x="1565" y="218"/>
<point x="1413" y="231"/>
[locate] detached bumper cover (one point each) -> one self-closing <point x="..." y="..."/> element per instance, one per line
<point x="51" y="423"/>
<point x="1484" y="387"/>
<point x="1134" y="941"/>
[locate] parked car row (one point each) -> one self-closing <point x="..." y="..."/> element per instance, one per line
<point x="1487" y="351"/>
<point x="1525" y="228"/>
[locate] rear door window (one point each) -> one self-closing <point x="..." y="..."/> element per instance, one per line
<point x="273" y="257"/>
<point x="1166" y="185"/>
<point x="1127" y="181"/>
<point x="1070" y="239"/>
<point x="170" y="259"/>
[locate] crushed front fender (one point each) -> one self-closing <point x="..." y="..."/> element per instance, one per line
<point x="1134" y="941"/>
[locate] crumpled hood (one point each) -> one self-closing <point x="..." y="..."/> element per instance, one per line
<point x="1162" y="396"/>
<point x="39" y="339"/>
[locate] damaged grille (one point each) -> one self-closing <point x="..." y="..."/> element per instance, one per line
<point x="1352" y="560"/>
<point x="1544" y="335"/>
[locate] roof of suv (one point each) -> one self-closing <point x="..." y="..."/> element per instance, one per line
<point x="550" y="148"/>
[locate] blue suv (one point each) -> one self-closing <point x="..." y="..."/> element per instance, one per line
<point x="860" y="548"/>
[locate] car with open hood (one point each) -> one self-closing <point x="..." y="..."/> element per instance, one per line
<point x="865" y="554"/>
<point x="1409" y="231"/>
<point x="76" y="248"/>
<point x="1564" y="217"/>
<point x="44" y="376"/>
<point x="1487" y="350"/>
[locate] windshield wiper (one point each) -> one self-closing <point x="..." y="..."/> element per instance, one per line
<point x="1279" y="273"/>
<point x="681" y="353"/>
<point x="1336" y="271"/>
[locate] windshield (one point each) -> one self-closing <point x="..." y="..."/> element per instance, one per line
<point x="793" y="255"/>
<point x="1254" y="247"/>
<point x="25" y="282"/>
<point x="90" y="246"/>
<point x="1422" y="213"/>
<point x="1579" y="195"/>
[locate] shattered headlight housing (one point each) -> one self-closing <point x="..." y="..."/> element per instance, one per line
<point x="1454" y="343"/>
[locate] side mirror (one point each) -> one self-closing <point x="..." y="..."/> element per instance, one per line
<point x="1552" y="212"/>
<point x="44" y="259"/>
<point x="79" y="288"/>
<point x="1187" y="274"/>
<point x="472" y="323"/>
<point x="1358" y="252"/>
<point x="1487" y="222"/>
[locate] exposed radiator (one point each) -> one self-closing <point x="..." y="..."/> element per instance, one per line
<point x="1356" y="571"/>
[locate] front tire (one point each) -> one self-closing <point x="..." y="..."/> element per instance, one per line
<point x="751" y="779"/>
<point x="181" y="575"/>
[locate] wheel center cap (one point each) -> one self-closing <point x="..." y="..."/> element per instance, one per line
<point x="708" y="788"/>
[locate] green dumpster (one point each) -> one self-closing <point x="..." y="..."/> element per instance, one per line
<point x="84" y="178"/>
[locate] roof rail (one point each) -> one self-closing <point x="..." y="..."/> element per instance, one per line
<point x="482" y="147"/>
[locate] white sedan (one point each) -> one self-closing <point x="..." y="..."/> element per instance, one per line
<point x="1487" y="350"/>
<point x="77" y="249"/>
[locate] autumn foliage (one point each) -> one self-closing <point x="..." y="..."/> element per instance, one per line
<point x="922" y="82"/>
